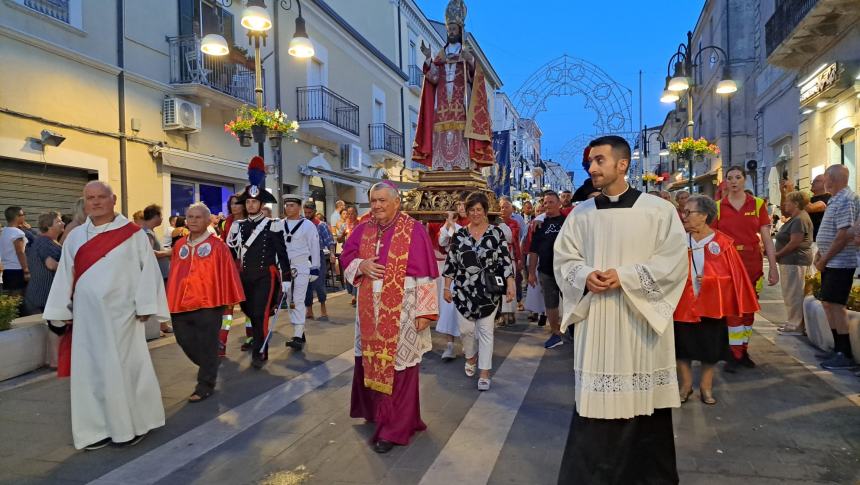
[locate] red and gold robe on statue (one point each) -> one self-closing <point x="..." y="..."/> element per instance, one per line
<point x="454" y="125"/>
<point x="387" y="344"/>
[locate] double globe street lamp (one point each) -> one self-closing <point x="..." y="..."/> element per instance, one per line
<point x="646" y="141"/>
<point x="682" y="79"/>
<point x="258" y="22"/>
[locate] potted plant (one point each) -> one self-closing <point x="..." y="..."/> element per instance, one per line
<point x="239" y="55"/>
<point x="8" y="310"/>
<point x="261" y="123"/>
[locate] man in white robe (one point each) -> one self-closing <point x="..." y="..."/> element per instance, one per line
<point x="108" y="285"/>
<point x="621" y="262"/>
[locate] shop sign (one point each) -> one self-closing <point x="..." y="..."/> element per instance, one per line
<point x="820" y="83"/>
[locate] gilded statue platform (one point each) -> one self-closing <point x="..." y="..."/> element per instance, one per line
<point x="439" y="191"/>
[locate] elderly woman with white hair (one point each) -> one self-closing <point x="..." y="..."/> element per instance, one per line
<point x="203" y="282"/>
<point x="717" y="287"/>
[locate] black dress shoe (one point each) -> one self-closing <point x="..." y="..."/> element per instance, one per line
<point x="137" y="439"/>
<point x="98" y="445"/>
<point x="731" y="366"/>
<point x="383" y="446"/>
<point x="247" y="344"/>
<point x="747" y="362"/>
<point x="257" y="363"/>
<point x="297" y="343"/>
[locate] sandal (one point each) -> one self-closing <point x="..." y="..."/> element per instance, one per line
<point x="199" y="396"/>
<point x="685" y="396"/>
<point x="707" y="397"/>
<point x="469" y="369"/>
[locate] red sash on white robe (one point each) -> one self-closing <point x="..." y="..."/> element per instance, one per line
<point x="89" y="254"/>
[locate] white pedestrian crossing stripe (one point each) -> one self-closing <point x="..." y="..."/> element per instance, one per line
<point x="173" y="455"/>
<point x="471" y="453"/>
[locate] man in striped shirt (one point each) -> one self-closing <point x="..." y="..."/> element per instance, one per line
<point x="837" y="261"/>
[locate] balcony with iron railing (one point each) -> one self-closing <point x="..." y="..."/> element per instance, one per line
<point x="385" y="141"/>
<point x="324" y="113"/>
<point x="800" y="30"/>
<point x="200" y="75"/>
<point x="56" y="9"/>
<point x="785" y="18"/>
<point x="416" y="77"/>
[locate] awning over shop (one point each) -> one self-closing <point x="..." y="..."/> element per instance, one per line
<point x="350" y="178"/>
<point x="682" y="184"/>
<point x="705" y="176"/>
<point x="198" y="162"/>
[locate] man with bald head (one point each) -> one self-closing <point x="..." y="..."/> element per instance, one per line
<point x="390" y="261"/>
<point x="837" y="261"/>
<point x="107" y="286"/>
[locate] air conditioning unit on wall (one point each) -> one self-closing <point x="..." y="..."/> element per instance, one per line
<point x="178" y="114"/>
<point x="351" y="156"/>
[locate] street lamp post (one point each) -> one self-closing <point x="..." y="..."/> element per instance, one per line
<point x="683" y="79"/>
<point x="642" y="155"/>
<point x="258" y="22"/>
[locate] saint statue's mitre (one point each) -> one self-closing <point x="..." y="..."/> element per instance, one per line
<point x="456" y="13"/>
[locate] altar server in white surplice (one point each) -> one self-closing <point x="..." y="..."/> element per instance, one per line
<point x="107" y="285"/>
<point x="621" y="262"/>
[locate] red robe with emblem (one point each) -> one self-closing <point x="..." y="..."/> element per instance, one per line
<point x="725" y="287"/>
<point x="203" y="276"/>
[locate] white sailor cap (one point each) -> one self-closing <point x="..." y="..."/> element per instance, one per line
<point x="292" y="198"/>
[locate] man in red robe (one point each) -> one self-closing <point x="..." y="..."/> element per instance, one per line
<point x="203" y="282"/>
<point x="454" y="129"/>
<point x="389" y="259"/>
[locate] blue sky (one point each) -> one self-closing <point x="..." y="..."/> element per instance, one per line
<point x="621" y="37"/>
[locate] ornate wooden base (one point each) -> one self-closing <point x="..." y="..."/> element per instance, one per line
<point x="439" y="191"/>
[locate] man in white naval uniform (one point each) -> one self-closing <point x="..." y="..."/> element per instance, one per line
<point x="303" y="248"/>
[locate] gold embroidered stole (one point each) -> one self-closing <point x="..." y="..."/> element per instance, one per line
<point x="380" y="330"/>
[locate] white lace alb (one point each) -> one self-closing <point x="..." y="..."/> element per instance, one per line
<point x="636" y="382"/>
<point x="653" y="293"/>
<point x="572" y="274"/>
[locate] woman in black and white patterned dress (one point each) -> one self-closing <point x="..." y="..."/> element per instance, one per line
<point x="476" y="248"/>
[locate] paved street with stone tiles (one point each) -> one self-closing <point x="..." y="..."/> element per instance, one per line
<point x="784" y="422"/>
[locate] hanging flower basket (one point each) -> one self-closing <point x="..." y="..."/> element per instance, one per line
<point x="275" y="138"/>
<point x="690" y="149"/>
<point x="259" y="133"/>
<point x="261" y="124"/>
<point x="244" y="138"/>
<point x="650" y="177"/>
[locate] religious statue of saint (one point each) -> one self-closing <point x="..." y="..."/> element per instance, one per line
<point x="454" y="124"/>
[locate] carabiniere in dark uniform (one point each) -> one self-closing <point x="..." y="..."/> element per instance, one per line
<point x="258" y="245"/>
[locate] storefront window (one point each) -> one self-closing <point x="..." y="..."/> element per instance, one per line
<point x="184" y="193"/>
<point x="849" y="159"/>
<point x="181" y="196"/>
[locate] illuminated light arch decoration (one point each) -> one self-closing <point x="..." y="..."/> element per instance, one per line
<point x="570" y="76"/>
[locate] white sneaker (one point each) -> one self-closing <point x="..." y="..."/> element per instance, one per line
<point x="789" y="330"/>
<point x="483" y="384"/>
<point x="469" y="369"/>
<point x="449" y="354"/>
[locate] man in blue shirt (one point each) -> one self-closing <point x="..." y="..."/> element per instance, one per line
<point x="837" y="261"/>
<point x="326" y="253"/>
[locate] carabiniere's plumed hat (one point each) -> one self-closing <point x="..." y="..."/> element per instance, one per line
<point x="456" y="13"/>
<point x="256" y="188"/>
